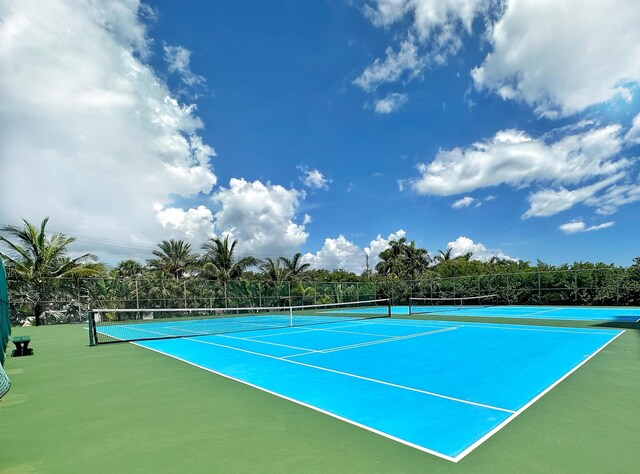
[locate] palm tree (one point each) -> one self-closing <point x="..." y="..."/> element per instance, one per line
<point x="129" y="269"/>
<point x="390" y="263"/>
<point x="295" y="266"/>
<point x="36" y="260"/>
<point x="465" y="256"/>
<point x="273" y="269"/>
<point x="444" y="256"/>
<point x="174" y="257"/>
<point x="219" y="263"/>
<point x="403" y="260"/>
<point x="416" y="259"/>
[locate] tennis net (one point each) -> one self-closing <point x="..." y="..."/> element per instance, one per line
<point x="122" y="325"/>
<point x="446" y="305"/>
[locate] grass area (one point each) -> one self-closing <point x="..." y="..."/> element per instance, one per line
<point x="74" y="408"/>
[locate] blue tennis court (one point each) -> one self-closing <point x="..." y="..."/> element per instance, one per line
<point x="566" y="313"/>
<point x="443" y="387"/>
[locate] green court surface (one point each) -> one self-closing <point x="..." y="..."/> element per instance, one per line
<point x="121" y="408"/>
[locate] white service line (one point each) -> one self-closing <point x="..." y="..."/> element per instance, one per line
<point x="524" y="315"/>
<point x="257" y="341"/>
<point x="308" y="405"/>
<point x="356" y="376"/>
<point x="318" y="329"/>
<point x="503" y="327"/>
<point x="373" y="343"/>
<point x="531" y="402"/>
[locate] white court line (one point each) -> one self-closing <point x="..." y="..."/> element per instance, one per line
<point x="537" y="312"/>
<point x="361" y="377"/>
<point x="503" y="327"/>
<point x="455" y="459"/>
<point x="303" y="329"/>
<point x="313" y="407"/>
<point x="308" y="329"/>
<point x="373" y="343"/>
<point x="309" y="351"/>
<point x="531" y="402"/>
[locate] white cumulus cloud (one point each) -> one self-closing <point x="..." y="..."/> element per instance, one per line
<point x="194" y="225"/>
<point x="559" y="56"/>
<point x="514" y="157"/>
<point x="463" y="202"/>
<point x="393" y="67"/>
<point x="178" y="61"/>
<point x="436" y="31"/>
<point x="379" y="245"/>
<point x="633" y="135"/>
<point x="341" y="253"/>
<point x="615" y="196"/>
<point x="577" y="164"/>
<point x="463" y="245"/>
<point x="313" y="178"/>
<point x="90" y="135"/>
<point x="390" y="103"/>
<point x="261" y="216"/>
<point x="338" y="253"/>
<point x="548" y="202"/>
<point x="579" y="226"/>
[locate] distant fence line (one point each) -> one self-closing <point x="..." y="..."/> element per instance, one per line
<point x="68" y="299"/>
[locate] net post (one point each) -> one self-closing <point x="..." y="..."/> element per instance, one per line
<point x="290" y="316"/>
<point x="92" y="328"/>
<point x="389" y="308"/>
<point x="410" y="305"/>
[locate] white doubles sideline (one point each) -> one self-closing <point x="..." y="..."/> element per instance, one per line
<point x="513" y="414"/>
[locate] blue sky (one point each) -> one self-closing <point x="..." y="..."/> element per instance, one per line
<point x="328" y="127"/>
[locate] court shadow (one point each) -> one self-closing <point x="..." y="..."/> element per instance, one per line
<point x="618" y="325"/>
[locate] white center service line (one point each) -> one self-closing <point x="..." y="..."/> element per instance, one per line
<point x="373" y="343"/>
<point x="368" y="379"/>
<point x="525" y="315"/>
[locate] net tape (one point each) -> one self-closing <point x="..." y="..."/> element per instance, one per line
<point x="447" y="304"/>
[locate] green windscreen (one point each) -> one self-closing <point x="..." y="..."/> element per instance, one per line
<point x="5" y="328"/>
<point x="5" y="323"/>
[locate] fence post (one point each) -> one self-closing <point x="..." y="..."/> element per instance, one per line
<point x="618" y="288"/>
<point x="539" y="290"/>
<point x="137" y="294"/>
<point x="78" y="292"/>
<point x="184" y="293"/>
<point x="508" y="295"/>
<point x="575" y="286"/>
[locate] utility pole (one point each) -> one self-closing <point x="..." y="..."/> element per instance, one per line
<point x="366" y="259"/>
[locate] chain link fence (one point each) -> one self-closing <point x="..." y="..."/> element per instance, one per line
<point x="66" y="300"/>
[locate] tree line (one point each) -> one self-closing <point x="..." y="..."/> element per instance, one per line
<point x="40" y="270"/>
